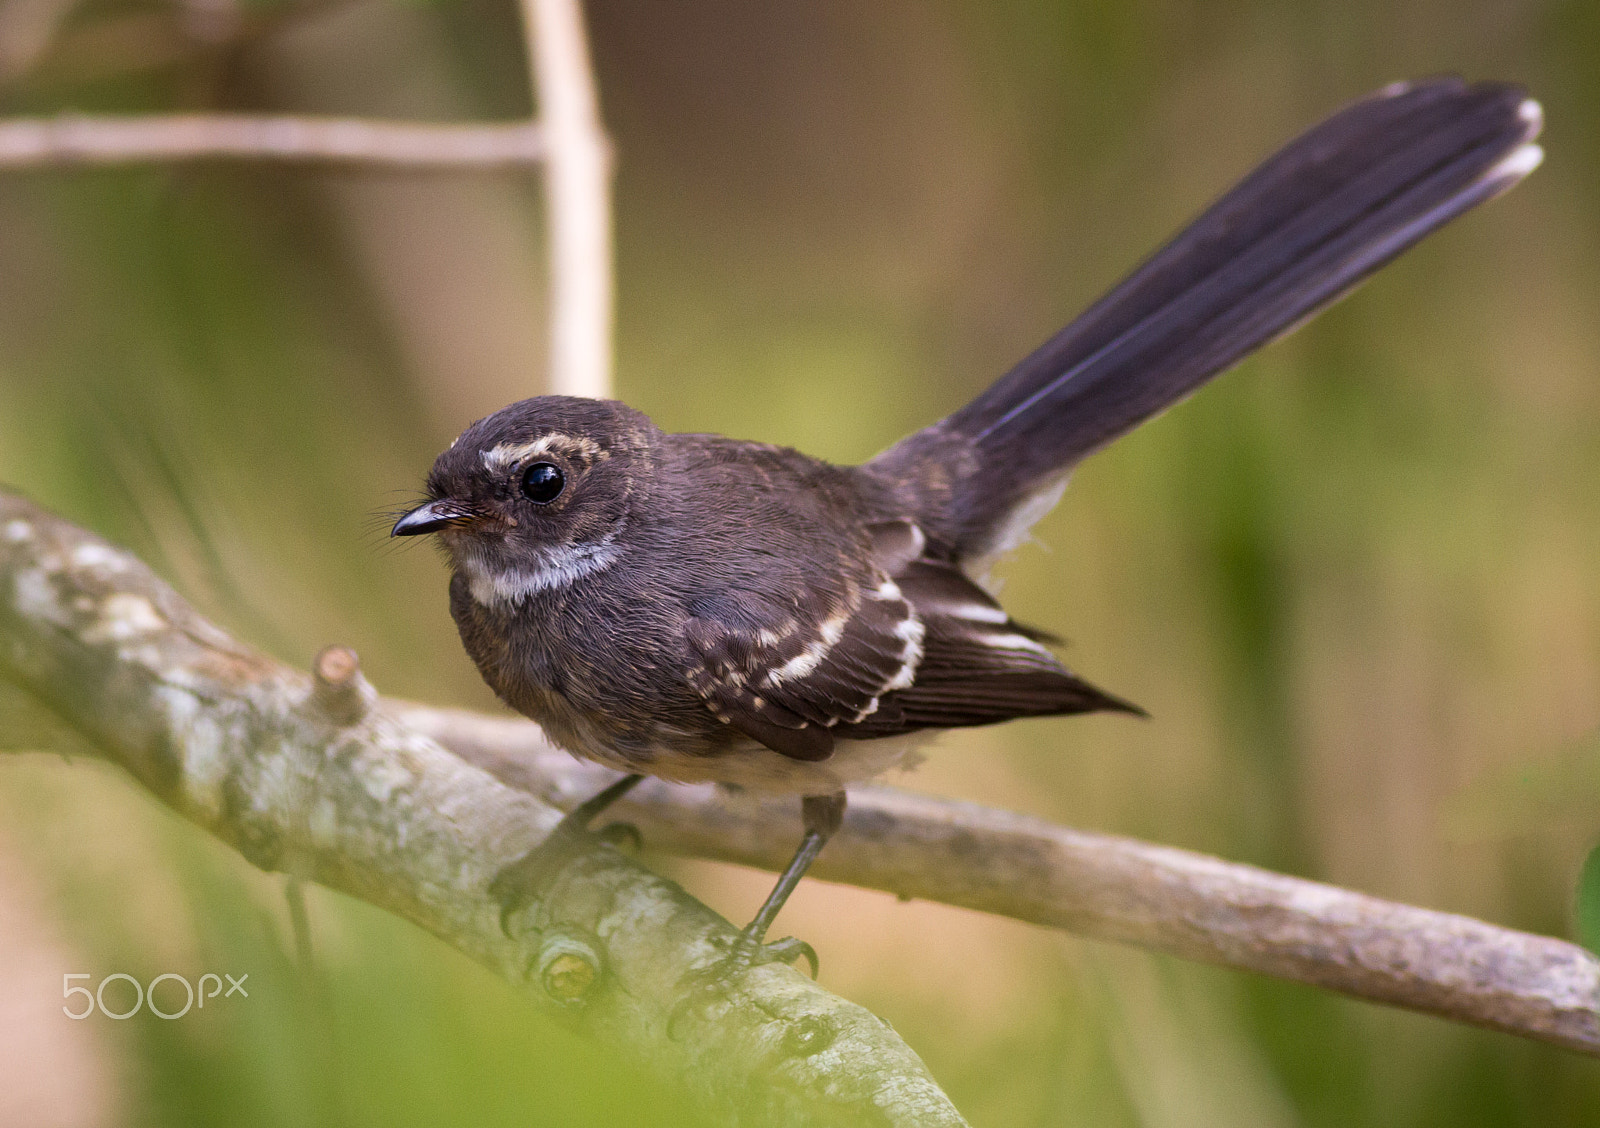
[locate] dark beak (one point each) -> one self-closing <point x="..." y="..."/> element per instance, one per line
<point x="432" y="517"/>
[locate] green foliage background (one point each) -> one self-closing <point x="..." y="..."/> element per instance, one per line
<point x="1354" y="582"/>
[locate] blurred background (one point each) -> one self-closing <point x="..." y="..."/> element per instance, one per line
<point x="1354" y="582"/>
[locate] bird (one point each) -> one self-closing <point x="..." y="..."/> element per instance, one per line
<point x="695" y="607"/>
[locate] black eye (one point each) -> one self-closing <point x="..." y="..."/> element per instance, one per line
<point x="542" y="483"/>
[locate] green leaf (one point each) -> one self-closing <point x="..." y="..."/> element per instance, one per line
<point x="1587" y="906"/>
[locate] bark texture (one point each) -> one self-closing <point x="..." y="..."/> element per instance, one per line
<point x="1101" y="886"/>
<point x="318" y="777"/>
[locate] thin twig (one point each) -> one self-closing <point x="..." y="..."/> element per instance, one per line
<point x="567" y="139"/>
<point x="577" y="173"/>
<point x="299" y="777"/>
<point x="1097" y="885"/>
<point x="79" y="140"/>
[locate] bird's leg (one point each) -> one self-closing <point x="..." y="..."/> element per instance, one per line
<point x="579" y="818"/>
<point x="821" y="816"/>
<point x="515" y="885"/>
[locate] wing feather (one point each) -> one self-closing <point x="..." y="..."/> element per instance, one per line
<point x="794" y="679"/>
<point x="899" y="643"/>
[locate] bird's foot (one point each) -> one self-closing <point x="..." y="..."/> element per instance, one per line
<point x="517" y="885"/>
<point x="744" y="951"/>
<point x="747" y="952"/>
<point x="748" y="949"/>
<point x="623" y="835"/>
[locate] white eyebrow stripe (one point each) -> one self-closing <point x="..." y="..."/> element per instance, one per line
<point x="503" y="456"/>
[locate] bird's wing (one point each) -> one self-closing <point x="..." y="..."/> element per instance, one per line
<point x="885" y="646"/>
<point x="788" y="673"/>
<point x="978" y="666"/>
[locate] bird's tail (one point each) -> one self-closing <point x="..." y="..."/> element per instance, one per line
<point x="1296" y="234"/>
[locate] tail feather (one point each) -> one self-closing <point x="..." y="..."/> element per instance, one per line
<point x="1295" y="235"/>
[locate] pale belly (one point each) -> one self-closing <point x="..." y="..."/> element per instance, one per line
<point x="758" y="768"/>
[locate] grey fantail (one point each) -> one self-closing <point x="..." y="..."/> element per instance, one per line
<point x="701" y="608"/>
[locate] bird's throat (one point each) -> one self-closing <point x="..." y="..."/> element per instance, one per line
<point x="494" y="583"/>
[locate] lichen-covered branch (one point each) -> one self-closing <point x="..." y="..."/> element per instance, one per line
<point x="316" y="776"/>
<point x="75" y="139"/>
<point x="1101" y="886"/>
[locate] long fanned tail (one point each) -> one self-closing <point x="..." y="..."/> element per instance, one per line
<point x="1296" y="234"/>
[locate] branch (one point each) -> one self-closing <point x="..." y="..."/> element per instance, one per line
<point x="1097" y="885"/>
<point x="197" y="726"/>
<point x="577" y="174"/>
<point x="567" y="140"/>
<point x="71" y="140"/>
<point x="318" y="778"/>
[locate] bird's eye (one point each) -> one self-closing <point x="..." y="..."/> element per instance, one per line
<point x="542" y="483"/>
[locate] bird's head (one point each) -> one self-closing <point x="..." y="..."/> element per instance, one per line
<point x="536" y="495"/>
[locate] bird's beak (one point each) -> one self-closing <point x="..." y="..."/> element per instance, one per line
<point x="432" y="517"/>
